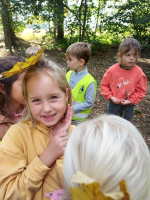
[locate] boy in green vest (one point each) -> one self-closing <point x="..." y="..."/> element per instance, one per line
<point x="82" y="84"/>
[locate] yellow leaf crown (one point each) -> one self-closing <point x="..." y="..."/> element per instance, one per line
<point x="91" y="189"/>
<point x="20" y="66"/>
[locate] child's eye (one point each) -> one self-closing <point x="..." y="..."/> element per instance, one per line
<point x="36" y="100"/>
<point x="54" y="97"/>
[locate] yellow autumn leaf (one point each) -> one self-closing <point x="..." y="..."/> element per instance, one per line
<point x="91" y="190"/>
<point x="20" y="66"/>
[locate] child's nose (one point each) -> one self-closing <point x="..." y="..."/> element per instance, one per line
<point x="132" y="56"/>
<point x="46" y="107"/>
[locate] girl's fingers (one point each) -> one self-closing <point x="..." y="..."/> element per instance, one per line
<point x="68" y="117"/>
<point x="65" y="143"/>
<point x="65" y="138"/>
<point x="64" y="124"/>
<point x="62" y="134"/>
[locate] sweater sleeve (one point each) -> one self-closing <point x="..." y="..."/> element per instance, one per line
<point x="19" y="180"/>
<point x="140" y="90"/>
<point x="3" y="129"/>
<point x="105" y="85"/>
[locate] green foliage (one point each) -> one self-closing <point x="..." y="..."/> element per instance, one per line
<point x="132" y="16"/>
<point x="102" y="43"/>
<point x="18" y="26"/>
<point x="102" y="23"/>
<point x="60" y="44"/>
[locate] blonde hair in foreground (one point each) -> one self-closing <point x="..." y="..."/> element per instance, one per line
<point x="109" y="149"/>
<point x="44" y="66"/>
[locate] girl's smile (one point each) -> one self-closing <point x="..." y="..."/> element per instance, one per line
<point x="48" y="117"/>
<point x="46" y="100"/>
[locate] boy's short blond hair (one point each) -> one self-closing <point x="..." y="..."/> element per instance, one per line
<point x="32" y="51"/>
<point x="80" y="50"/>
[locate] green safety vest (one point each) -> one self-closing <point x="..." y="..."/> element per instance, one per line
<point x="78" y="94"/>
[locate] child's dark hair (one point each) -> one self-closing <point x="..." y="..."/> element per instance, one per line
<point x="80" y="50"/>
<point x="127" y="45"/>
<point x="6" y="64"/>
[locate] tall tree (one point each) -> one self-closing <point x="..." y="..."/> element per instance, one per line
<point x="6" y="16"/>
<point x="60" y="19"/>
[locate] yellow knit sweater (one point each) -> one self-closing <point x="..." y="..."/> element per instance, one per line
<point x="23" y="176"/>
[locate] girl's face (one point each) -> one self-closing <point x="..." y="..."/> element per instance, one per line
<point x="16" y="96"/>
<point x="46" y="100"/>
<point x="129" y="59"/>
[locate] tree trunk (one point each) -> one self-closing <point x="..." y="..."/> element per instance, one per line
<point x="84" y="22"/>
<point x="60" y="28"/>
<point x="60" y="20"/>
<point x="9" y="34"/>
<point x="80" y="20"/>
<point x="97" y="19"/>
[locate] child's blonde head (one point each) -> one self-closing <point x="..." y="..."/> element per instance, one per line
<point x="109" y="149"/>
<point x="45" y="66"/>
<point x="32" y="51"/>
<point x="80" y="50"/>
<point x="126" y="46"/>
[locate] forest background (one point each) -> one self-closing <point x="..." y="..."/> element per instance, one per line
<point x="56" y="24"/>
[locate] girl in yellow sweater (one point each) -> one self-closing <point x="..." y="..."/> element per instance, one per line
<point x="31" y="151"/>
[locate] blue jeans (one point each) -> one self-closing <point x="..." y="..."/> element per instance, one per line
<point x="123" y="111"/>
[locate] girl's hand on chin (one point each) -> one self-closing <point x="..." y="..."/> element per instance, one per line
<point x="55" y="148"/>
<point x="65" y="122"/>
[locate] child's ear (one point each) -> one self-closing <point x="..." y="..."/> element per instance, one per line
<point x="2" y="88"/>
<point x="67" y="94"/>
<point x="82" y="61"/>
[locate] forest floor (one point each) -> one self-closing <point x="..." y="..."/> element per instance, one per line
<point x="97" y="66"/>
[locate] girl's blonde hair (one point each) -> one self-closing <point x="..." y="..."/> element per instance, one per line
<point x="54" y="71"/>
<point x="127" y="45"/>
<point x="109" y="149"/>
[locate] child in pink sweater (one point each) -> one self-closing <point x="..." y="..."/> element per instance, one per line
<point x="124" y="84"/>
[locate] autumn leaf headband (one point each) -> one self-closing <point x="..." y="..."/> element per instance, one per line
<point x="20" y="66"/>
<point x="90" y="189"/>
